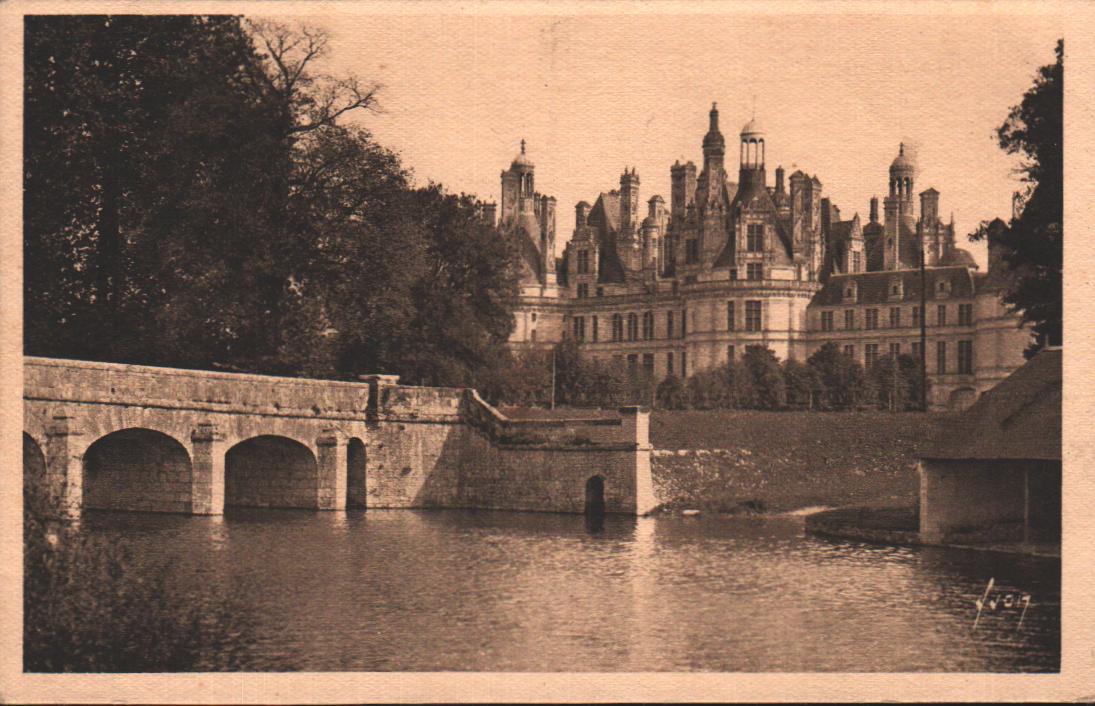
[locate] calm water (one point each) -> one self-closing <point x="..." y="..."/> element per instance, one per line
<point x="496" y="591"/>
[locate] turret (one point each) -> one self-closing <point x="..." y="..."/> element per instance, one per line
<point x="629" y="201"/>
<point x="714" y="145"/>
<point x="929" y="208"/>
<point x="581" y="214"/>
<point x="683" y="190"/>
<point x="752" y="172"/>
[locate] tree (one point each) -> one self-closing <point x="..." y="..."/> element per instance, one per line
<point x="108" y="102"/>
<point x="841" y="377"/>
<point x="672" y="393"/>
<point x="1033" y="241"/>
<point x="762" y="367"/>
<point x="803" y="383"/>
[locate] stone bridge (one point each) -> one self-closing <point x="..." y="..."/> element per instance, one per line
<point x="127" y="437"/>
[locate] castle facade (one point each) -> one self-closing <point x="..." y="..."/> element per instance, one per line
<point x="735" y="262"/>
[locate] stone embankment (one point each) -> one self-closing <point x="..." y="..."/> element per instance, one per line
<point x="750" y="461"/>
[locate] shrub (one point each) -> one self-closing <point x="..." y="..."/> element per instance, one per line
<point x="84" y="611"/>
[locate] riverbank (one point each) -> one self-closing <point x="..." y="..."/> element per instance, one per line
<point x="900" y="526"/>
<point x="754" y="461"/>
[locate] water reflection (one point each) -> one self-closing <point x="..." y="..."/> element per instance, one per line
<point x="498" y="591"/>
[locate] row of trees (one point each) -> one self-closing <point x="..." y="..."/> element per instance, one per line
<point x="828" y="380"/>
<point x="195" y="196"/>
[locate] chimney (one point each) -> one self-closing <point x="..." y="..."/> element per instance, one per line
<point x="874" y="209"/>
<point x="779" y="180"/>
<point x="581" y="214"/>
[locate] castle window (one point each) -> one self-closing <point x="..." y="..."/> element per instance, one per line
<point x="617" y="327"/>
<point x="532" y="335"/>
<point x="594" y="332"/>
<point x="583" y="290"/>
<point x="857" y="261"/>
<point x="916" y="315"/>
<point x="965" y="357"/>
<point x="754" y="271"/>
<point x="729" y="354"/>
<point x="648" y="363"/>
<point x="870" y="354"/>
<point x="684" y="325"/>
<point x="965" y="314"/>
<point x="752" y="316"/>
<point x="691" y="251"/>
<point x="600" y="291"/>
<point x="872" y="319"/>
<point x="895" y="350"/>
<point x="632" y="362"/>
<point x="579" y="328"/>
<point x="684" y="364"/>
<point x="583" y="262"/>
<point x="729" y="316"/>
<point x="916" y="352"/>
<point x="941" y="315"/>
<point x="849" y="350"/>
<point x="733" y="274"/>
<point x="632" y="327"/>
<point x="941" y="357"/>
<point x="669" y="363"/>
<point x="895" y="317"/>
<point x="827" y="321"/>
<point x="849" y="319"/>
<point x="669" y="324"/>
<point x="648" y="325"/>
<point x="754" y="237"/>
<point x="851" y="290"/>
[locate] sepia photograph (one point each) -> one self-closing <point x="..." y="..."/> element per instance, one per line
<point x="487" y="339"/>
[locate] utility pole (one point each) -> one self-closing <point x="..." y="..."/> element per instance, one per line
<point x="923" y="328"/>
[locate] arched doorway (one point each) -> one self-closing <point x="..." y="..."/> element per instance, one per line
<point x="137" y="469"/>
<point x="270" y="471"/>
<point x="355" y="474"/>
<point x="35" y="490"/>
<point x="595" y="496"/>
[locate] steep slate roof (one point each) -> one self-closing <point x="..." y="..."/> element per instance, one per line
<point x="605" y="216"/>
<point x="874" y="287"/>
<point x="1020" y="418"/>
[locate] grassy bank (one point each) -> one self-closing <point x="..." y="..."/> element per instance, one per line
<point x="726" y="461"/>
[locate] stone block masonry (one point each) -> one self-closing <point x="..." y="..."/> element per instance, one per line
<point x="124" y="437"/>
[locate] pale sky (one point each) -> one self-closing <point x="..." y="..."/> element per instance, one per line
<point x="592" y="94"/>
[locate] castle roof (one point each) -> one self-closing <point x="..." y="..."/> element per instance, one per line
<point x="901" y="163"/>
<point x="958" y="256"/>
<point x="605" y="216"/>
<point x="874" y="287"/>
<point x="1020" y="418"/>
<point x="753" y="127"/>
<point x="841" y="230"/>
<point x="522" y="160"/>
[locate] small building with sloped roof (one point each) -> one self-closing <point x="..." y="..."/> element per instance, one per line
<point x="994" y="474"/>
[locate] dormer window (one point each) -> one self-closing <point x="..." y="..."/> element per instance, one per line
<point x="851" y="291"/>
<point x="942" y="287"/>
<point x="896" y="289"/>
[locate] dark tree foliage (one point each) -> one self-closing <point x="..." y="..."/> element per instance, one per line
<point x="762" y="367"/>
<point x="841" y="377"/>
<point x="1033" y="240"/>
<point x="193" y="197"/>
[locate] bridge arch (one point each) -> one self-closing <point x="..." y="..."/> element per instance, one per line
<point x="356" y="488"/>
<point x="270" y="471"/>
<point x="137" y="469"/>
<point x="35" y="490"/>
